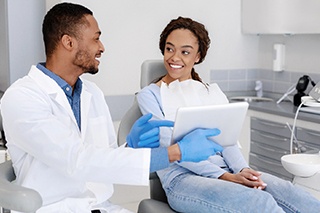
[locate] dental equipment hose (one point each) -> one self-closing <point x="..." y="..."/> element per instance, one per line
<point x="294" y="125"/>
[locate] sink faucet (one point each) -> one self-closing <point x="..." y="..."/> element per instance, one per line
<point x="258" y="89"/>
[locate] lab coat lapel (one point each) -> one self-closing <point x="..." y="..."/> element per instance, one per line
<point x="55" y="92"/>
<point x="85" y="107"/>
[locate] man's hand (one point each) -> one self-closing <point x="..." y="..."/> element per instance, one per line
<point x="195" y="146"/>
<point x="145" y="133"/>
<point x="247" y="177"/>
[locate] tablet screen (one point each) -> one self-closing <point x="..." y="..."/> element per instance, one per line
<point x="229" y="118"/>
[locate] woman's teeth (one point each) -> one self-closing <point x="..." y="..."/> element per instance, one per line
<point x="175" y="66"/>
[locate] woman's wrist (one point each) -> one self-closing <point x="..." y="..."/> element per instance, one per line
<point x="226" y="176"/>
<point x="174" y="153"/>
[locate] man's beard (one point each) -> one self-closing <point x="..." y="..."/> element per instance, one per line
<point x="83" y="61"/>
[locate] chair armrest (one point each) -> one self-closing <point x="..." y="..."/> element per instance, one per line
<point x="150" y="205"/>
<point x="156" y="190"/>
<point x="15" y="197"/>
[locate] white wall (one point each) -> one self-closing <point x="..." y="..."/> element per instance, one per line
<point x="302" y="52"/>
<point x="131" y="29"/>
<point x="131" y="32"/>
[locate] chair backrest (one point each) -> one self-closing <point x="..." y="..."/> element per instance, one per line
<point x="127" y="121"/>
<point x="6" y="172"/>
<point x="150" y="70"/>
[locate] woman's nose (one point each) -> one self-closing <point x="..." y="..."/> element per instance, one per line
<point x="175" y="56"/>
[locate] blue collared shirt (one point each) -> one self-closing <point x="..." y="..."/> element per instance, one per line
<point x="72" y="96"/>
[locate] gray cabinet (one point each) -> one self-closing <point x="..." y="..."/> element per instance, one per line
<point x="21" y="42"/>
<point x="269" y="142"/>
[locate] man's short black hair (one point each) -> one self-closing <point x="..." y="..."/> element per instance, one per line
<point x="63" y="19"/>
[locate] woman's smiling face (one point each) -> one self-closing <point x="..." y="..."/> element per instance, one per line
<point x="180" y="54"/>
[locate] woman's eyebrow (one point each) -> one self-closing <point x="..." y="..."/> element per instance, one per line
<point x="184" y="46"/>
<point x="187" y="46"/>
<point x="169" y="43"/>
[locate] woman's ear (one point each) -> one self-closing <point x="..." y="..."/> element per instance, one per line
<point x="197" y="58"/>
<point x="67" y="42"/>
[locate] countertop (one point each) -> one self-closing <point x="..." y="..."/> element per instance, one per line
<point x="285" y="108"/>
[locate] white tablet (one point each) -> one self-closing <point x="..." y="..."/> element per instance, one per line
<point x="229" y="118"/>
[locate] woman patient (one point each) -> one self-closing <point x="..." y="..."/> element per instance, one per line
<point x="224" y="182"/>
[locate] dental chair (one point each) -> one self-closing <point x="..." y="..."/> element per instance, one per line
<point x="12" y="196"/>
<point x="150" y="70"/>
<point x="15" y="197"/>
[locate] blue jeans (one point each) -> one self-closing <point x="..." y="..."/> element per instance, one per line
<point x="192" y="193"/>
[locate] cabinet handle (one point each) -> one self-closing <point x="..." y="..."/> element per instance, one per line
<point x="273" y="137"/>
<point x="270" y="149"/>
<point x="314" y="134"/>
<point x="273" y="124"/>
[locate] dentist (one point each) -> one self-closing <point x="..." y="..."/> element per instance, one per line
<point x="59" y="131"/>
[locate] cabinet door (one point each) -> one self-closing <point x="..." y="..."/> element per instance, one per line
<point x="274" y="128"/>
<point x="268" y="165"/>
<point x="4" y="49"/>
<point x="280" y="16"/>
<point x="309" y="137"/>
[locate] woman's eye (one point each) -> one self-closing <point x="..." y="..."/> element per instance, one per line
<point x="169" y="49"/>
<point x="185" y="52"/>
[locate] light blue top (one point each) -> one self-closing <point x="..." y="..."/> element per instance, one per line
<point x="231" y="160"/>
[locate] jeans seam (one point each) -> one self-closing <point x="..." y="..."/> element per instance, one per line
<point x="286" y="205"/>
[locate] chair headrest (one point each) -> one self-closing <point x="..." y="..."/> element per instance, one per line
<point x="150" y="70"/>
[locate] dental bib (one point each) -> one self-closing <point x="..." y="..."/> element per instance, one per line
<point x="188" y="93"/>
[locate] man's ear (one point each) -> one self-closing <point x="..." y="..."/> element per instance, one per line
<point x="67" y="42"/>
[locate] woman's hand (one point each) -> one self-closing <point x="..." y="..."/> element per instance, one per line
<point x="247" y="177"/>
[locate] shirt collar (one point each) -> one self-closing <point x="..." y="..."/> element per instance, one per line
<point x="62" y="83"/>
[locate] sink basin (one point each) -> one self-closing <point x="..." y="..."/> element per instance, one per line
<point x="302" y="165"/>
<point x="251" y="99"/>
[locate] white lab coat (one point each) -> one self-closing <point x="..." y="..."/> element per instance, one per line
<point x="72" y="170"/>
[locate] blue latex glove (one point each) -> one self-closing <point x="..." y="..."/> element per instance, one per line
<point x="195" y="146"/>
<point x="145" y="133"/>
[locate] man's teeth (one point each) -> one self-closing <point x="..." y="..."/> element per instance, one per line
<point x="175" y="66"/>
